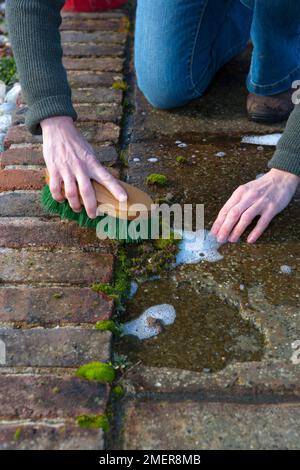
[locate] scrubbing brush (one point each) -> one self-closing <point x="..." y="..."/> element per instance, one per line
<point x="116" y="220"/>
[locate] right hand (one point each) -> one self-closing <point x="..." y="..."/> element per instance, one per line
<point x="71" y="160"/>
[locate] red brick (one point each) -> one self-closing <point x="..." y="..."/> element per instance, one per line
<point x="90" y="24"/>
<point x="99" y="112"/>
<point x="100" y="132"/>
<point x="62" y="265"/>
<point x="19" y="135"/>
<point x="118" y="13"/>
<point x="93" y="50"/>
<point x="21" y="203"/>
<point x="55" y="347"/>
<point x="17" y="232"/>
<point x="98" y="95"/>
<point x="106" y="154"/>
<point x="105" y="64"/>
<point x="42" y="436"/>
<point x="49" y="397"/>
<point x="11" y="180"/>
<point x="22" y="156"/>
<point x="51" y="306"/>
<point x="87" y="79"/>
<point x="104" y="37"/>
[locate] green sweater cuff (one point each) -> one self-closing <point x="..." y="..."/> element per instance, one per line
<point x="287" y="154"/>
<point x="286" y="160"/>
<point x="60" y="105"/>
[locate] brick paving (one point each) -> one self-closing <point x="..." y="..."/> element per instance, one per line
<point x="47" y="308"/>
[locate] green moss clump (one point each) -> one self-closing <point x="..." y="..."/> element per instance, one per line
<point x="57" y="295"/>
<point x="156" y="178"/>
<point x="121" y="286"/>
<point x="109" y="325"/>
<point x="118" y="391"/>
<point x="93" y="421"/>
<point x="8" y="70"/>
<point x="181" y="160"/>
<point x="127" y="24"/>
<point x="97" y="371"/>
<point x="120" y="85"/>
<point x="103" y="287"/>
<point x="18" y="433"/>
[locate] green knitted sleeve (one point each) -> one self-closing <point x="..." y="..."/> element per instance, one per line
<point x="33" y="27"/>
<point x="287" y="154"/>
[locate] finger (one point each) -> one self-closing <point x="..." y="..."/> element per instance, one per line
<point x="232" y="219"/>
<point x="101" y="175"/>
<point x="232" y="201"/>
<point x="71" y="192"/>
<point x="88" y="196"/>
<point x="261" y="226"/>
<point x="245" y="220"/>
<point x="55" y="186"/>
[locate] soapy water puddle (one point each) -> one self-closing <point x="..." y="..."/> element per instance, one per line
<point x="269" y="139"/>
<point x="193" y="328"/>
<point x="197" y="246"/>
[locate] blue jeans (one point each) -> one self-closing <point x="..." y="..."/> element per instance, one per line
<point x="181" y="44"/>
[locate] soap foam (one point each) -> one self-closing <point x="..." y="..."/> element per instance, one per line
<point x="139" y="327"/>
<point x="269" y="139"/>
<point x="197" y="246"/>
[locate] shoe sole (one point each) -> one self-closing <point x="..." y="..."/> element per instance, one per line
<point x="270" y="119"/>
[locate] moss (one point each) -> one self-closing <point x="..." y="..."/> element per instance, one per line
<point x="103" y="287"/>
<point x="97" y="371"/>
<point x="164" y="243"/>
<point x="153" y="260"/>
<point x="8" y="70"/>
<point x="55" y="390"/>
<point x="127" y="24"/>
<point x="118" y="391"/>
<point x="109" y="325"/>
<point x="121" y="286"/>
<point x="181" y="160"/>
<point x="57" y="295"/>
<point x="18" y="433"/>
<point x="120" y="85"/>
<point x="123" y="159"/>
<point x="156" y="178"/>
<point x="93" y="421"/>
<point x="120" y="362"/>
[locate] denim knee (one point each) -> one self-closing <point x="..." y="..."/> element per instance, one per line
<point x="162" y="88"/>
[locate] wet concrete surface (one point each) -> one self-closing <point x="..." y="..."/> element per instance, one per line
<point x="207" y="334"/>
<point x="250" y="278"/>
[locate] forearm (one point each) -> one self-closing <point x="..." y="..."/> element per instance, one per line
<point x="287" y="154"/>
<point x="34" y="33"/>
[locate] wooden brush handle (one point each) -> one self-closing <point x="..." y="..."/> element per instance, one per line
<point x="109" y="202"/>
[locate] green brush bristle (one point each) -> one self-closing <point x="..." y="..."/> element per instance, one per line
<point x="64" y="210"/>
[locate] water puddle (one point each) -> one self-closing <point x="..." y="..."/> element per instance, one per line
<point x="197" y="246"/>
<point x="207" y="333"/>
<point x="269" y="139"/>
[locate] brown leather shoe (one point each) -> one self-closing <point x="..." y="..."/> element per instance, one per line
<point x="270" y="109"/>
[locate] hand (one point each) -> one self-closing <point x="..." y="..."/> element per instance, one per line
<point x="266" y="197"/>
<point x="71" y="160"/>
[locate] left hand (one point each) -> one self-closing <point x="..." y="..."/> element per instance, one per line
<point x="264" y="197"/>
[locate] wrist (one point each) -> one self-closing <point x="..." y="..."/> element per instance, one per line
<point x="283" y="175"/>
<point x="55" y="121"/>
